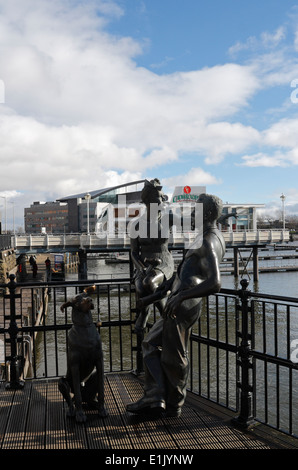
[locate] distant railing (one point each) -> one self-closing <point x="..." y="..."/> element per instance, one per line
<point x="5" y="242"/>
<point x="76" y="241"/>
<point x="242" y="351"/>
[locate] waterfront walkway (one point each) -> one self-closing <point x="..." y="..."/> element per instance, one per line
<point x="35" y="418"/>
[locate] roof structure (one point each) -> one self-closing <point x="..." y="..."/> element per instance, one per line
<point x="99" y="192"/>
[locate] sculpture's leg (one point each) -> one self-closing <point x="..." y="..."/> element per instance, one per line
<point x="65" y="389"/>
<point x="80" y="415"/>
<point x="174" y="357"/>
<point x="100" y="388"/>
<point x="154" y="388"/>
<point x="175" y="365"/>
<point x="152" y="349"/>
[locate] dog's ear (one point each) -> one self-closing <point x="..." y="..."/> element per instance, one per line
<point x="90" y="289"/>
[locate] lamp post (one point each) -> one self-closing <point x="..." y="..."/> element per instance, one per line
<point x="283" y="197"/>
<point x="13" y="224"/>
<point x="88" y="197"/>
<point x="4" y="197"/>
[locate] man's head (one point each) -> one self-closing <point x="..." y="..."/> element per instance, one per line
<point x="152" y="192"/>
<point x="212" y="207"/>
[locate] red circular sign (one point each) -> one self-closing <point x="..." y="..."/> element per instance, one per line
<point x="187" y="189"/>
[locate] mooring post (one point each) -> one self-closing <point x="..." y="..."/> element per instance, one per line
<point x="255" y="263"/>
<point x="245" y="418"/>
<point x="83" y="269"/>
<point x="236" y="262"/>
<point x="15" y="361"/>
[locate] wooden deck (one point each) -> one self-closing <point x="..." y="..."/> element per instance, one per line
<point x="35" y="418"/>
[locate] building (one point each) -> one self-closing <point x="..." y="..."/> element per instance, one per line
<point x="103" y="210"/>
<point x="79" y="213"/>
<point x="85" y="209"/>
<point x="46" y="217"/>
<point x="243" y="217"/>
<point x="235" y="217"/>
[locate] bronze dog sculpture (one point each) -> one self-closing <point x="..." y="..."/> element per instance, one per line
<point x="84" y="380"/>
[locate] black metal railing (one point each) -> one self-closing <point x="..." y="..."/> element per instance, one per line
<point x="242" y="350"/>
<point x="243" y="356"/>
<point x="5" y="242"/>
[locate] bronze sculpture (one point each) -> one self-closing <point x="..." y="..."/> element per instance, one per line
<point x="84" y="381"/>
<point x="165" y="346"/>
<point x="152" y="260"/>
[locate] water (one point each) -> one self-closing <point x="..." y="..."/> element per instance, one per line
<point x="278" y="283"/>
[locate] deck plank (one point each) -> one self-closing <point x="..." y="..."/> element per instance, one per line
<point x="16" y="426"/>
<point x="116" y="431"/>
<point x="6" y="398"/>
<point x="55" y="428"/>
<point x="35" y="418"/>
<point x="155" y="427"/>
<point x="138" y="433"/>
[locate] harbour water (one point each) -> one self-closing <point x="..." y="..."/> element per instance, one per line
<point x="276" y="283"/>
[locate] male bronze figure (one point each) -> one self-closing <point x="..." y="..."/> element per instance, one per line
<point x="164" y="348"/>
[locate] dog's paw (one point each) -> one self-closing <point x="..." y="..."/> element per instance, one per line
<point x="71" y="412"/>
<point x="102" y="412"/>
<point x="81" y="417"/>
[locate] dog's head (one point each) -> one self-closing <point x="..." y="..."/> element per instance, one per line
<point x="83" y="303"/>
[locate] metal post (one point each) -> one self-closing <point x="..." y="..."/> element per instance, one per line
<point x="245" y="418"/>
<point x="15" y="360"/>
<point x="83" y="269"/>
<point x="283" y="197"/>
<point x="236" y="262"/>
<point x="255" y="263"/>
<point x="139" y="356"/>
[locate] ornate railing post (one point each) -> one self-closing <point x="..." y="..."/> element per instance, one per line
<point x="14" y="360"/>
<point x="138" y="348"/>
<point x="245" y="418"/>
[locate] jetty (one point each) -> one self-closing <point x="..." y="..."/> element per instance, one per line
<point x="242" y="390"/>
<point x="35" y="418"/>
<point x="220" y="411"/>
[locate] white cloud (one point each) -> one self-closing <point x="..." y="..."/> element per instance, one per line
<point x="266" y="40"/>
<point x="79" y="114"/>
<point x="77" y="106"/>
<point x="195" y="176"/>
<point x="264" y="160"/>
<point x="282" y="134"/>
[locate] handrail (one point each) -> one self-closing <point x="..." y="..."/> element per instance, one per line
<point x="242" y="348"/>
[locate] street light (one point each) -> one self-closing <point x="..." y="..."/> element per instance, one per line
<point x="4" y="197"/>
<point x="88" y="197"/>
<point x="13" y="225"/>
<point x="283" y="197"/>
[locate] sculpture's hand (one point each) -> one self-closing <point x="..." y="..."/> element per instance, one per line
<point x="139" y="304"/>
<point x="173" y="305"/>
<point x="153" y="261"/>
<point x="140" y="323"/>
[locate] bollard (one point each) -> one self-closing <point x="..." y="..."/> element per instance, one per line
<point x="245" y="418"/>
<point x="15" y="361"/>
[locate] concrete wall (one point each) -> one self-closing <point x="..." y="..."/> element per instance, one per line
<point x="8" y="264"/>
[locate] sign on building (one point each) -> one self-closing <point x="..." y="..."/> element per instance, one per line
<point x="187" y="194"/>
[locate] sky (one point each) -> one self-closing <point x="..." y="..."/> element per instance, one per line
<point x="97" y="93"/>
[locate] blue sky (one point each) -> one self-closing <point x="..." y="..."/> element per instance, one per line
<point x="99" y="92"/>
